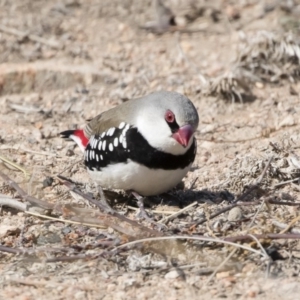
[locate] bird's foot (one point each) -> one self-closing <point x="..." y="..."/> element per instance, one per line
<point x="142" y="214"/>
<point x="106" y="207"/>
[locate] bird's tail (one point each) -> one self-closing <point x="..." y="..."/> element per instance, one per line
<point x="77" y="136"/>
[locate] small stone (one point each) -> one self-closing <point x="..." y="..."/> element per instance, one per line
<point x="172" y="275"/>
<point x="48" y="181"/>
<point x="180" y="21"/>
<point x="70" y="152"/>
<point x="235" y="214"/>
<point x="104" y="274"/>
<point x="66" y="230"/>
<point x="259" y="85"/>
<point x="49" y="238"/>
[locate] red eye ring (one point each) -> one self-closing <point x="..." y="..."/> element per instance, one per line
<point x="169" y="116"/>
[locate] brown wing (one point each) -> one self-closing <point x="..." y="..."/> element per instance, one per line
<point x="110" y="118"/>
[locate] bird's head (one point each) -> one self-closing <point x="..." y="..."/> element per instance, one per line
<point x="168" y="121"/>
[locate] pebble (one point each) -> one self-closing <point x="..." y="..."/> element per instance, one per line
<point x="48" y="181"/>
<point x="49" y="238"/>
<point x="172" y="275"/>
<point x="235" y="214"/>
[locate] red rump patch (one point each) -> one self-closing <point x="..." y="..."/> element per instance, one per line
<point x="80" y="134"/>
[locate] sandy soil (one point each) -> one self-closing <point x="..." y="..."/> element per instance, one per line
<point x="93" y="55"/>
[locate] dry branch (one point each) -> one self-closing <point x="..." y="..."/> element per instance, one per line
<point x="240" y="198"/>
<point x="112" y="218"/>
<point x="10" y="250"/>
<point x="24" y="195"/>
<point x="13" y="203"/>
<point x="23" y="35"/>
<point x="266" y="236"/>
<point x="263" y="57"/>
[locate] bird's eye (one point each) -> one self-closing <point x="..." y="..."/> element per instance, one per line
<point x="169" y="116"/>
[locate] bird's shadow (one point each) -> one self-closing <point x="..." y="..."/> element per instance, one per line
<point x="178" y="198"/>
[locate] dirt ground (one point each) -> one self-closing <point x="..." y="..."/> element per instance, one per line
<point x="63" y="62"/>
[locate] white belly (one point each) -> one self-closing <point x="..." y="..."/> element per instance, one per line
<point x="132" y="176"/>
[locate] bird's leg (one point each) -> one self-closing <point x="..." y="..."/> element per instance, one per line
<point x="103" y="200"/>
<point x="142" y="213"/>
<point x="140" y="202"/>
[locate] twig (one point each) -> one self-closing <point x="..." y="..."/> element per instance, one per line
<point x="266" y="236"/>
<point x="32" y="37"/>
<point x="229" y="207"/>
<point x="291" y="224"/>
<point x="64" y="220"/>
<point x="276" y="202"/>
<point x="176" y="214"/>
<point x="284" y="226"/>
<point x="285" y="182"/>
<point x="220" y="266"/>
<point x="24" y="108"/>
<point x="11" y="250"/>
<point x="193" y="183"/>
<point x="241" y="197"/>
<point x="24" y="195"/>
<point x="28" y="282"/>
<point x="269" y="259"/>
<point x="56" y="259"/>
<point x="13" y="203"/>
<point x="38" y="152"/>
<point x="20" y="148"/>
<point x="264" y="171"/>
<point x="155" y="211"/>
<point x="256" y="183"/>
<point x="227" y="241"/>
<point x="112" y="213"/>
<point x="15" y="165"/>
<point x="256" y="213"/>
<point x="71" y="258"/>
<point x="217" y="213"/>
<point x="196" y="238"/>
<point x="296" y="186"/>
<point x="259" y="244"/>
<point x="269" y="200"/>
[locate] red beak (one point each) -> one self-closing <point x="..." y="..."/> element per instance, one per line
<point x="183" y="135"/>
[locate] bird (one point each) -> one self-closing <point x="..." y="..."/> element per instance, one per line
<point x="145" y="145"/>
<point x="165" y="18"/>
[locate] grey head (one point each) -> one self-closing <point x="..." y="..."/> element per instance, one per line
<point x="167" y="120"/>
